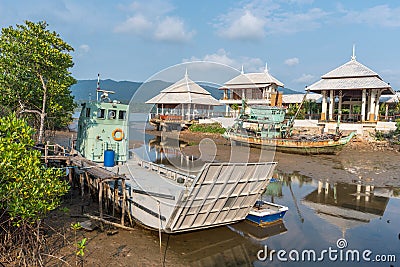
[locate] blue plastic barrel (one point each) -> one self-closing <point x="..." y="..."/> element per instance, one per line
<point x="109" y="158"/>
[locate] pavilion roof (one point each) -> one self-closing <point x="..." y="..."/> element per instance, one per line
<point x="298" y="98"/>
<point x="252" y="80"/>
<point x="390" y="99"/>
<point x="351" y="76"/>
<point x="184" y="91"/>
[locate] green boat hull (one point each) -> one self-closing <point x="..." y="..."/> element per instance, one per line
<point x="294" y="146"/>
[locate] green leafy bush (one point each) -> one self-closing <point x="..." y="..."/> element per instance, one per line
<point x="28" y="190"/>
<point x="207" y="128"/>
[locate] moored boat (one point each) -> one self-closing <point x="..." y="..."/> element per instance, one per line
<point x="265" y="127"/>
<point x="167" y="198"/>
<point x="264" y="213"/>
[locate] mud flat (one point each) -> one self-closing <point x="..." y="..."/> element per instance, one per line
<point x="362" y="160"/>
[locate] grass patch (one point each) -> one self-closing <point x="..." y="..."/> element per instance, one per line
<point x="207" y="128"/>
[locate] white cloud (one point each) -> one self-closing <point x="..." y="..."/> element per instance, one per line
<point x="381" y="15"/>
<point x="248" y="26"/>
<point x="256" y="18"/>
<point x="292" y="61"/>
<point x="221" y="56"/>
<point x="297" y="22"/>
<point x="151" y="20"/>
<point x="172" y="29"/>
<point x="84" y="48"/>
<point x="135" y="24"/>
<point x="305" y="79"/>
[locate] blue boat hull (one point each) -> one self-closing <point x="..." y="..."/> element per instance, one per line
<point x="267" y="219"/>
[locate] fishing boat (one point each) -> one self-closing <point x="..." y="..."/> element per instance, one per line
<point x="162" y="197"/>
<point x="264" y="213"/>
<point x="265" y="127"/>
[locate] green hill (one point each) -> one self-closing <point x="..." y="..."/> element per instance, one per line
<point x="124" y="90"/>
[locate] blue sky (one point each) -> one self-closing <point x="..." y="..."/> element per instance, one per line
<point x="299" y="39"/>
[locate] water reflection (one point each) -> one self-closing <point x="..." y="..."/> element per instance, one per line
<point x="234" y="245"/>
<point x="319" y="213"/>
<point x="346" y="205"/>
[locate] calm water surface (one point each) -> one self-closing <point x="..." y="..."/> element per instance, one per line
<point x="320" y="213"/>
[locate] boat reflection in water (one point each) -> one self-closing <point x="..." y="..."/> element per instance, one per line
<point x="234" y="245"/>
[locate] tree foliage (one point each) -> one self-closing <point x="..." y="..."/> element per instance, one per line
<point x="28" y="190"/>
<point x="34" y="74"/>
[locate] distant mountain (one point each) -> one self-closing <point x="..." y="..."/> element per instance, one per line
<point x="86" y="89"/>
<point x="287" y="91"/>
<point x="124" y="90"/>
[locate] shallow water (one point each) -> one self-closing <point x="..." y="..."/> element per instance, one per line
<point x="364" y="216"/>
<point x="318" y="216"/>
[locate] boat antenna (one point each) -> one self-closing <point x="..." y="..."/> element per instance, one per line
<point x="291" y="121"/>
<point x="98" y="87"/>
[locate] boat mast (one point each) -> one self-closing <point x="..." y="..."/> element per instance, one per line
<point x="291" y="122"/>
<point x="98" y="87"/>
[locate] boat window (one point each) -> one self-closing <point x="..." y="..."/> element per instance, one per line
<point x="111" y="114"/>
<point x="122" y="115"/>
<point x="87" y="114"/>
<point x="101" y="113"/>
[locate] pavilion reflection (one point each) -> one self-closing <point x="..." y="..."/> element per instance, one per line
<point x="346" y="205"/>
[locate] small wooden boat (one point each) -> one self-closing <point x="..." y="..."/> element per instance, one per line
<point x="265" y="127"/>
<point x="265" y="213"/>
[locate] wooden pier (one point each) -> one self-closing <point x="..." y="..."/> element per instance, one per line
<point x="97" y="180"/>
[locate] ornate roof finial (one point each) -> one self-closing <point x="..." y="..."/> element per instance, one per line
<point x="353" y="57"/>
<point x="242" y="72"/>
<point x="266" y="67"/>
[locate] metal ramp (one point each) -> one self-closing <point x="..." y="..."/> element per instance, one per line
<point x="222" y="193"/>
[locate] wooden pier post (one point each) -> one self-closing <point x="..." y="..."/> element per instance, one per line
<point x="101" y="203"/>
<point x="82" y="184"/>
<point x="116" y="197"/>
<point x="70" y="170"/>
<point x="123" y="201"/>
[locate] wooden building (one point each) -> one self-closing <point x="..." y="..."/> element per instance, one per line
<point x="184" y="100"/>
<point x="256" y="88"/>
<point x="351" y="84"/>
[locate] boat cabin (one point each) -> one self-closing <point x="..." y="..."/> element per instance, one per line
<point x="263" y="121"/>
<point x="103" y="125"/>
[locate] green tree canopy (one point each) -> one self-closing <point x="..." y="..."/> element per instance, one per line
<point x="34" y="74"/>
<point x="28" y="190"/>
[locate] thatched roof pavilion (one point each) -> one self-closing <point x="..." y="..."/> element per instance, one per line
<point x="183" y="98"/>
<point x="351" y="84"/>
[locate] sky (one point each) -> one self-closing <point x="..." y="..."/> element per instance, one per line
<point x="299" y="40"/>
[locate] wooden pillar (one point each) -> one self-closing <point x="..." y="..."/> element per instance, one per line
<point x="123" y="188"/>
<point x="70" y="170"/>
<point x="324" y="106"/>
<point x="363" y="104"/>
<point x="386" y="111"/>
<point x="331" y="105"/>
<point x="372" y="106"/>
<point x="116" y="197"/>
<point x="378" y="96"/>
<point x="101" y="203"/>
<point x="82" y="184"/>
